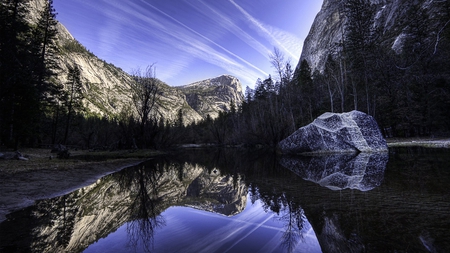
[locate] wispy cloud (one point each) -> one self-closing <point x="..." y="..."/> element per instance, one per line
<point x="213" y="53"/>
<point x="167" y="34"/>
<point x="285" y="41"/>
<point x="229" y="23"/>
<point x="169" y="37"/>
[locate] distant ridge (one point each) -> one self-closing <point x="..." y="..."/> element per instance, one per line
<point x="107" y="87"/>
<point x="210" y="96"/>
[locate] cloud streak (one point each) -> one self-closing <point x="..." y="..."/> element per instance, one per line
<point x="186" y="40"/>
<point x="212" y="52"/>
<point x="287" y="42"/>
<point x="230" y="25"/>
<point x="174" y="35"/>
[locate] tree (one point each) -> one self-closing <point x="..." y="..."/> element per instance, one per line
<point x="359" y="40"/>
<point x="332" y="76"/>
<point x="144" y="91"/>
<point x="73" y="97"/>
<point x="19" y="101"/>
<point x="277" y="61"/>
<point x="260" y="91"/>
<point x="26" y="67"/>
<point x="180" y="122"/>
<point x="288" y="74"/>
<point x="44" y="41"/>
<point x="304" y="81"/>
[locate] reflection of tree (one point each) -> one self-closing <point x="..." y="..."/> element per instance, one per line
<point x="288" y="211"/>
<point x="295" y="219"/>
<point x="142" y="182"/>
<point x="254" y="194"/>
<point x="58" y="213"/>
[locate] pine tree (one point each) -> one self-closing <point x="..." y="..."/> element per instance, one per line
<point x="359" y="40"/>
<point x="74" y="96"/>
<point x="26" y="64"/>
<point x="44" y="41"/>
<point x="305" y="84"/>
<point x="19" y="102"/>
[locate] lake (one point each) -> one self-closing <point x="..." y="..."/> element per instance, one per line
<point x="234" y="200"/>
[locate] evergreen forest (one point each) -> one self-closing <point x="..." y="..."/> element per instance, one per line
<point x="407" y="92"/>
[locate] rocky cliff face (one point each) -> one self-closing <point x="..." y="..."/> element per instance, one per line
<point x="325" y="32"/>
<point x="209" y="97"/>
<point x="391" y="20"/>
<point x="107" y="88"/>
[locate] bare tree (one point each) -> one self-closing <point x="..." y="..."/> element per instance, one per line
<point x="144" y="95"/>
<point x="277" y="61"/>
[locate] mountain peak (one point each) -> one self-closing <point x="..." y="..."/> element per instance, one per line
<point x="217" y="81"/>
<point x="210" y="96"/>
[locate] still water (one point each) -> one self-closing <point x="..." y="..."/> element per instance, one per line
<point x="243" y="201"/>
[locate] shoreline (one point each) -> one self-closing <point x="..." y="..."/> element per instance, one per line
<point x="24" y="182"/>
<point x="418" y="142"/>
<point x="22" y="189"/>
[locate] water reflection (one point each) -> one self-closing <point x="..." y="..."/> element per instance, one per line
<point x="296" y="225"/>
<point x="135" y="196"/>
<point x="145" y="203"/>
<point x="363" y="171"/>
<point x="237" y="200"/>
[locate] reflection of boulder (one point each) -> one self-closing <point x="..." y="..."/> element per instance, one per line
<point x="336" y="132"/>
<point x="363" y="171"/>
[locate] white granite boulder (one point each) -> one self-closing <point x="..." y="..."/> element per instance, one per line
<point x="353" y="131"/>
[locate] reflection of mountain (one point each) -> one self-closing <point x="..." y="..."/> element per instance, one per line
<point x="409" y="210"/>
<point x="363" y="171"/>
<point x="218" y="194"/>
<point x="136" y="195"/>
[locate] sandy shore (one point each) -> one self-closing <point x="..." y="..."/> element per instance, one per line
<point x="24" y="182"/>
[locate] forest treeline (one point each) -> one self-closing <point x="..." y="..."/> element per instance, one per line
<point x="408" y="91"/>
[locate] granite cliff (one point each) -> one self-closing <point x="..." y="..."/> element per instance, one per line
<point x="106" y="87"/>
<point x="209" y="97"/>
<point x="391" y="20"/>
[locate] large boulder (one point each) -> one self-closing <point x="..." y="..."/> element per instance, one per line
<point x="354" y="131"/>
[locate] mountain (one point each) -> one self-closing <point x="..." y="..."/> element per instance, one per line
<point x="387" y="58"/>
<point x="392" y="22"/>
<point x="209" y="97"/>
<point x="106" y="88"/>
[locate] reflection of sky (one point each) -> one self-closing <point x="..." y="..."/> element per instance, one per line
<point x="191" y="230"/>
<point x="191" y="40"/>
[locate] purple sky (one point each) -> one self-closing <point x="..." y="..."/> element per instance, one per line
<point x="191" y="40"/>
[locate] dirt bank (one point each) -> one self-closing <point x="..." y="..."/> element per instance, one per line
<point x="23" y="182"/>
